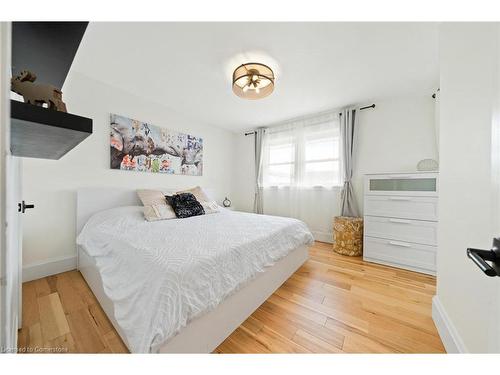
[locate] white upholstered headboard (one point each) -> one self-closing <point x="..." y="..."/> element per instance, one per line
<point x="94" y="199"/>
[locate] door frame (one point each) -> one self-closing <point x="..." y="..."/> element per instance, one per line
<point x="9" y="277"/>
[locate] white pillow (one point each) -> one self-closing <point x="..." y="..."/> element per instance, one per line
<point x="155" y="205"/>
<point x="210" y="206"/>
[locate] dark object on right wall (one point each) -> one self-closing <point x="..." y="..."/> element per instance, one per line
<point x="35" y="93"/>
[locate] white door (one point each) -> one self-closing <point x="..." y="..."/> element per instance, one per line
<point x="9" y="218"/>
<point x="466" y="308"/>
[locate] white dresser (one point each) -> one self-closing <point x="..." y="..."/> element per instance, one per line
<point x="401" y="214"/>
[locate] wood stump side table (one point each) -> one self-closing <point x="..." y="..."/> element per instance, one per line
<point x="348" y="235"/>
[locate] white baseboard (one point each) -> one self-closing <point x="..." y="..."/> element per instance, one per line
<point x="323" y="236"/>
<point x="48" y="267"/>
<point x="449" y="335"/>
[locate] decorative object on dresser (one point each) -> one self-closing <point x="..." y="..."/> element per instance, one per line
<point x="37" y="93"/>
<point x="348" y="235"/>
<point x="401" y="214"/>
<point x="427" y="165"/>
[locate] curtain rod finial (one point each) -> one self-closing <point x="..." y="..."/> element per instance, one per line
<point x="367" y="107"/>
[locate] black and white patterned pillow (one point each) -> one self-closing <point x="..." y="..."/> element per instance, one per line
<point x="185" y="205"/>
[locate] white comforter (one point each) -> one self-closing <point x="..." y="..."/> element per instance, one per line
<point x="161" y="275"/>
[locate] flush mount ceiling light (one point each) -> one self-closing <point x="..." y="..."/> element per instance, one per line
<point x="253" y="81"/>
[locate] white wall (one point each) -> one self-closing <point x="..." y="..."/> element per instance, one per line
<point x="394" y="137"/>
<point x="467" y="300"/>
<point x="244" y="173"/>
<point x="49" y="229"/>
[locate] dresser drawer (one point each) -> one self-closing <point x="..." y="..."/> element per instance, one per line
<point x="417" y="231"/>
<point x="419" y="208"/>
<point x="416" y="184"/>
<point x="400" y="253"/>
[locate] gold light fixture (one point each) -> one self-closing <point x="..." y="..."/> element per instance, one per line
<point x="253" y="81"/>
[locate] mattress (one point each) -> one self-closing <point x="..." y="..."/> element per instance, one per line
<point x="161" y="275"/>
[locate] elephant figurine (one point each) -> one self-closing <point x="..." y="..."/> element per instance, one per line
<point x="37" y="94"/>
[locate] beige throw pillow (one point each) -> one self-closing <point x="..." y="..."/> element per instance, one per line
<point x="198" y="194"/>
<point x="209" y="206"/>
<point x="155" y="205"/>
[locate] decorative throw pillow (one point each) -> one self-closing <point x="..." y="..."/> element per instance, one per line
<point x="155" y="205"/>
<point x="210" y="206"/>
<point x="185" y="205"/>
<point x="198" y="193"/>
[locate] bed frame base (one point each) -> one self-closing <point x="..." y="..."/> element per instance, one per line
<point x="204" y="334"/>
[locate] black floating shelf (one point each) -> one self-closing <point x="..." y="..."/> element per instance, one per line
<point x="46" y="48"/>
<point x="38" y="132"/>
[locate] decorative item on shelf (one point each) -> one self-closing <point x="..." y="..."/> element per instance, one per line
<point x="427" y="165"/>
<point x="348" y="235"/>
<point x="253" y="81"/>
<point x="37" y="93"/>
<point x="226" y="202"/>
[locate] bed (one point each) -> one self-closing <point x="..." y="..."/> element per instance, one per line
<point x="181" y="285"/>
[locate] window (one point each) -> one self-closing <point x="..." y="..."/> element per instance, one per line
<point x="303" y="154"/>
<point x="281" y="164"/>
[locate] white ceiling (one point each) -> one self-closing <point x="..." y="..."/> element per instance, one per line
<point x="319" y="66"/>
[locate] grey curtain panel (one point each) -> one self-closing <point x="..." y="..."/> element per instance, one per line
<point x="347" y="125"/>
<point x="258" y="204"/>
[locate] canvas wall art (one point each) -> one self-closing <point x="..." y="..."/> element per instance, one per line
<point x="142" y="147"/>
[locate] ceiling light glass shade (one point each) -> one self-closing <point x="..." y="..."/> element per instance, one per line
<point x="253" y="81"/>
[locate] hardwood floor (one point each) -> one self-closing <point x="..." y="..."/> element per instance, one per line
<point x="332" y="304"/>
<point x="61" y="315"/>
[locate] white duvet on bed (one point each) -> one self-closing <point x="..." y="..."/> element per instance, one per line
<point x="161" y="275"/>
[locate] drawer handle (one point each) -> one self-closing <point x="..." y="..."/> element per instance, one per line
<point x="399" y="199"/>
<point x="397" y="243"/>
<point x="400" y="221"/>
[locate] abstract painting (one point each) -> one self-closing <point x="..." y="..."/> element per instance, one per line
<point x="142" y="147"/>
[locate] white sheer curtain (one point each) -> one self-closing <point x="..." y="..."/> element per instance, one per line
<point x="302" y="174"/>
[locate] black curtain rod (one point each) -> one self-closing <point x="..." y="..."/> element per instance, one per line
<point x="367" y="107"/>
